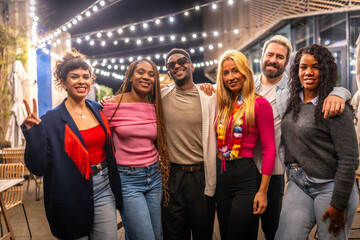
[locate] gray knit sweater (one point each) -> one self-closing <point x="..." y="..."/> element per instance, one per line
<point x="326" y="151"/>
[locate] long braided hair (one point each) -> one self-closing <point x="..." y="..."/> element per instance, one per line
<point x="154" y="98"/>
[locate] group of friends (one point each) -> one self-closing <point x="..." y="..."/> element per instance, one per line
<point x="168" y="157"/>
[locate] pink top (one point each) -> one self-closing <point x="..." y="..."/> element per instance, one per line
<point x="134" y="132"/>
<point x="263" y="128"/>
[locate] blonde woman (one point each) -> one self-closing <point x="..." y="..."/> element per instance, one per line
<point x="243" y="117"/>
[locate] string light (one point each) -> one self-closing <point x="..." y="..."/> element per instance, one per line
<point x="157" y="20"/>
<point x="34" y="36"/>
<point x="158" y="55"/>
<point x="116" y="75"/>
<point x="149" y="38"/>
<point x="132" y="26"/>
<point x="162" y="38"/>
<point x="95" y="7"/>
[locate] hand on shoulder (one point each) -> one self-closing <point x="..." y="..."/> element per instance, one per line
<point x="110" y="99"/>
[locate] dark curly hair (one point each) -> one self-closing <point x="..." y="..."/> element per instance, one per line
<point x="327" y="79"/>
<point x="71" y="60"/>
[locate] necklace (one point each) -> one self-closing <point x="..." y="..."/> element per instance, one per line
<point x="72" y="110"/>
<point x="81" y="115"/>
<point x="232" y="152"/>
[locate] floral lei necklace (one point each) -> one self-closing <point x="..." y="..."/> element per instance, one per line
<point x="236" y="138"/>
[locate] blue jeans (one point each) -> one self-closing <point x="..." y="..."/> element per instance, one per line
<point x="105" y="222"/>
<point x="142" y="192"/>
<point x="304" y="205"/>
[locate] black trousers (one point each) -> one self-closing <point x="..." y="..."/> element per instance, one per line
<point x="189" y="210"/>
<point x="270" y="218"/>
<point x="235" y="191"/>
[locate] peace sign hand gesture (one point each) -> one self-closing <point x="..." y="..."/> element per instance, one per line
<point x="32" y="118"/>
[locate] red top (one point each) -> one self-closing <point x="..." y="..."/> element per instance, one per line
<point x="95" y="140"/>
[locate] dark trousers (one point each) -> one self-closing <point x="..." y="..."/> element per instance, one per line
<point x="235" y="191"/>
<point x="270" y="218"/>
<point x="189" y="210"/>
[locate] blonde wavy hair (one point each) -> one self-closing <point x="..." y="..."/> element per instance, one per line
<point x="226" y="98"/>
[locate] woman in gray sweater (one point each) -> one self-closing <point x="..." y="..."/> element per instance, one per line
<point x="321" y="155"/>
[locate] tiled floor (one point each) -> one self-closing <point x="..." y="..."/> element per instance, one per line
<point x="41" y="231"/>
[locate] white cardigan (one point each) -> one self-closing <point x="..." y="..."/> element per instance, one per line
<point x="208" y="109"/>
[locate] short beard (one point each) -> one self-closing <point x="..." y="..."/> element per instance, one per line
<point x="270" y="74"/>
<point x="181" y="82"/>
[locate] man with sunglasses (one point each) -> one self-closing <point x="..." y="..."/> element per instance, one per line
<point x="191" y="143"/>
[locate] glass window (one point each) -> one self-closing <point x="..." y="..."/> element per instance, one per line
<point x="354" y="34"/>
<point x="332" y="28"/>
<point x="303" y="32"/>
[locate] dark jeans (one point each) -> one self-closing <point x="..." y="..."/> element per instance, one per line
<point x="189" y="210"/>
<point x="270" y="218"/>
<point x="235" y="191"/>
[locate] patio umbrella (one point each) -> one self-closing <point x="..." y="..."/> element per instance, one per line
<point x="17" y="77"/>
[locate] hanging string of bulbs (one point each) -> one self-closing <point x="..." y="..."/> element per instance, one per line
<point x="119" y="30"/>
<point x="115" y="35"/>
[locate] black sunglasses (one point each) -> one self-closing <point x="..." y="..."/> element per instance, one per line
<point x="181" y="61"/>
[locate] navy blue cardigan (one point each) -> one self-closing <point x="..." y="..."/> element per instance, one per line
<point x="68" y="196"/>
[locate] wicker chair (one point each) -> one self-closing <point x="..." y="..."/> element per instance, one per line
<point x="16" y="155"/>
<point x="14" y="195"/>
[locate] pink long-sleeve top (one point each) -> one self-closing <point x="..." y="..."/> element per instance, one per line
<point x="263" y="128"/>
<point x="134" y="133"/>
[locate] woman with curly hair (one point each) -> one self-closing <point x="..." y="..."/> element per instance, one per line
<point x="243" y="118"/>
<point x="71" y="146"/>
<point x="136" y="120"/>
<point x="321" y="155"/>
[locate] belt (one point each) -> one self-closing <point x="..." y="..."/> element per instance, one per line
<point x="293" y="165"/>
<point x="98" y="167"/>
<point x="189" y="168"/>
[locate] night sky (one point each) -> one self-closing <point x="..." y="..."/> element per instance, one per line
<point x="54" y="13"/>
